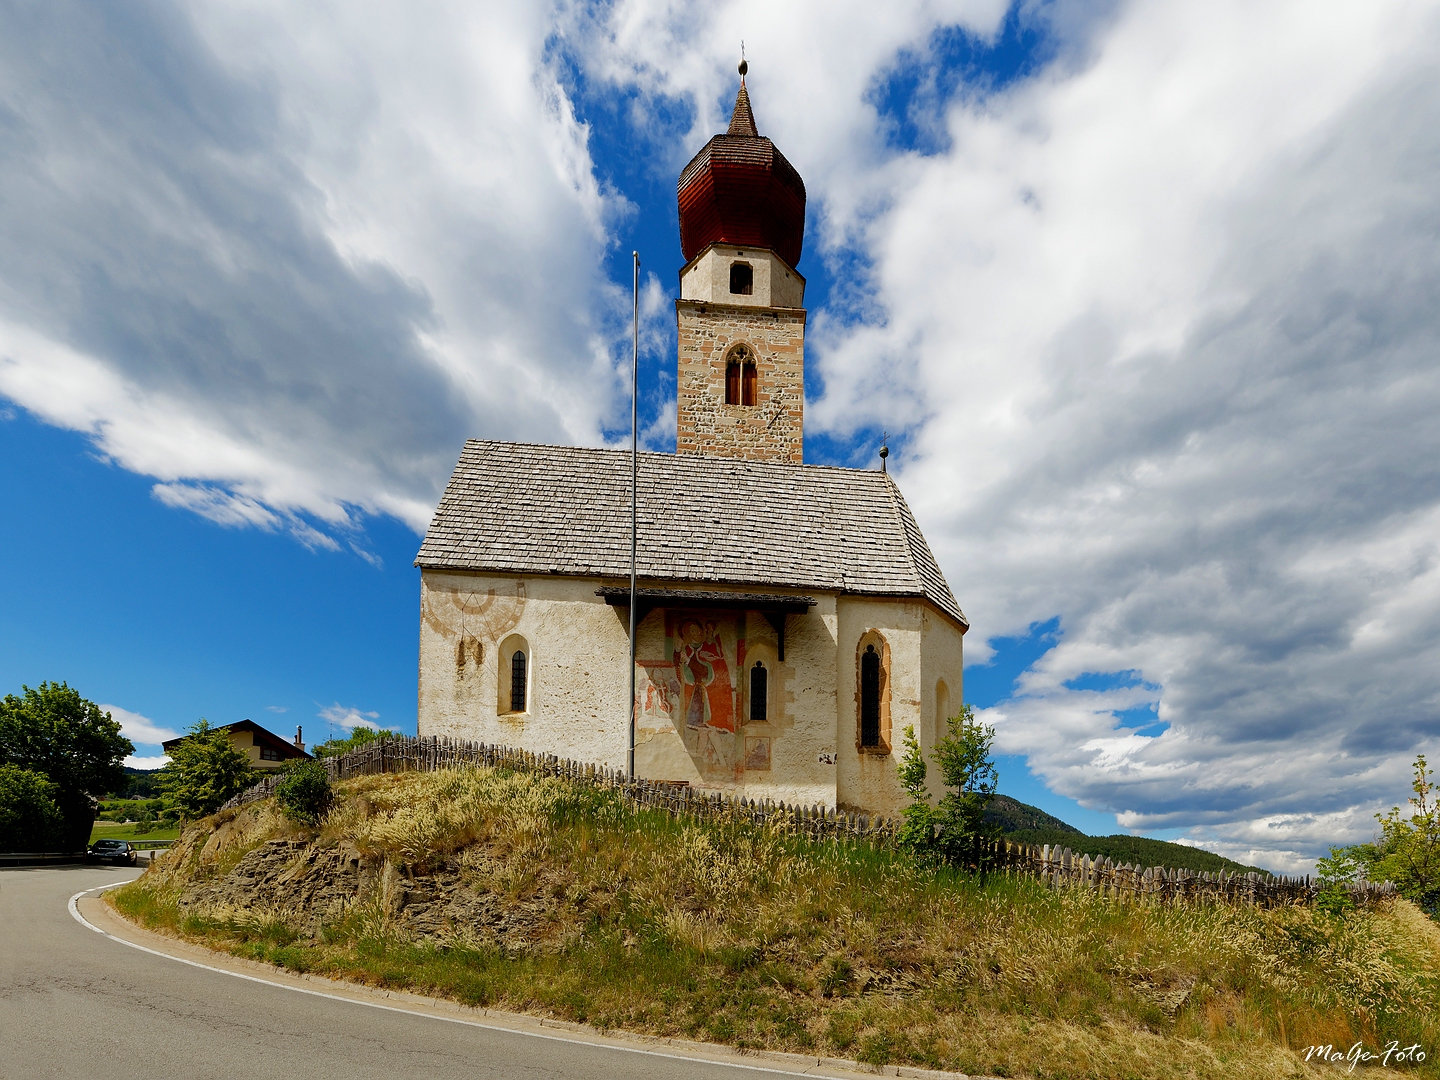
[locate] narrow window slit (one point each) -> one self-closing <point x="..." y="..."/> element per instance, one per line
<point x="759" y="692"/>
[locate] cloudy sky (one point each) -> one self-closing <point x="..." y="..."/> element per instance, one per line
<point x="1144" y="295"/>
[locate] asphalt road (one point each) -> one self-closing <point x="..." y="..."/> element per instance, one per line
<point x="75" y="1004"/>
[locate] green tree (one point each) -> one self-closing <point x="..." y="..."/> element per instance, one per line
<point x="30" y="818"/>
<point x="952" y="829"/>
<point x="1340" y="869"/>
<point x="205" y="772"/>
<point x="1407" y="851"/>
<point x="917" y="821"/>
<point x="361" y="736"/>
<point x="53" y="731"/>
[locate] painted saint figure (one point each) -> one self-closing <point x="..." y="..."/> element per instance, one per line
<point x="708" y="699"/>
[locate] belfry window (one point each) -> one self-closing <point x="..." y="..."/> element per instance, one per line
<point x="742" y="382"/>
<point x="870" y="697"/>
<point x="742" y="279"/>
<point x="759" y="692"/>
<point x="517" y="681"/>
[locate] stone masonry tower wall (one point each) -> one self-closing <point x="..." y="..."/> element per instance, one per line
<point x="773" y="428"/>
<point x="714" y="338"/>
<point x="740" y="317"/>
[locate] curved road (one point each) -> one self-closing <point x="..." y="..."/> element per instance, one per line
<point x="76" y="1004"/>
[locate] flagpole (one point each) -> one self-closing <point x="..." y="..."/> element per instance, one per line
<point x="634" y="497"/>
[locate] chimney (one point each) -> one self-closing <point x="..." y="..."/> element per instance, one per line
<point x="299" y="742"/>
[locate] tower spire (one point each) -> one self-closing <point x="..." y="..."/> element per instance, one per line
<point x="742" y="121"/>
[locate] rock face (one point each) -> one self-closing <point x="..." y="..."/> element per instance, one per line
<point x="306" y="887"/>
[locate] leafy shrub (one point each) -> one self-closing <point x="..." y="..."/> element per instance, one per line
<point x="303" y="792"/>
<point x="1407" y="850"/>
<point x="30" y="818"/>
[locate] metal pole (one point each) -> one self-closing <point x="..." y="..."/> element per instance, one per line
<point x="634" y="498"/>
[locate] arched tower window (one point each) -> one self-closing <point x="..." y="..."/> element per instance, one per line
<point x="742" y="383"/>
<point x="517" y="681"/>
<point x="759" y="693"/>
<point x="869" y="697"/>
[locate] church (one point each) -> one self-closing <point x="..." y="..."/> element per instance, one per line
<point x="791" y="621"/>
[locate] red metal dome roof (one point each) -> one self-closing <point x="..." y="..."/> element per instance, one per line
<point x="740" y="190"/>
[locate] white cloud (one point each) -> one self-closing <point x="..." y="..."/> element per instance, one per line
<point x="286" y="260"/>
<point x="1163" y="332"/>
<point x="276" y="708"/>
<point x="1159" y="323"/>
<point x="140" y="730"/>
<point x="348" y="717"/>
<point x="134" y="762"/>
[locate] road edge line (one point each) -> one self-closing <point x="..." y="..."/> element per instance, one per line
<point x="884" y="1070"/>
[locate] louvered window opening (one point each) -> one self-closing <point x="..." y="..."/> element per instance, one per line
<point x="870" y="697"/>
<point x="517" y="682"/>
<point x="742" y="279"/>
<point x="759" y="691"/>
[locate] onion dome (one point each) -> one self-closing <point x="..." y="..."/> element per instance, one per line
<point x="740" y="190"/>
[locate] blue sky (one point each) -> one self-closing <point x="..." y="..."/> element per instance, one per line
<point x="1144" y="298"/>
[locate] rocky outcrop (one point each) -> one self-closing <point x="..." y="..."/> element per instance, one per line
<point x="306" y="886"/>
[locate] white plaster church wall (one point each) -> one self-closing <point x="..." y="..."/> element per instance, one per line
<point x="807" y="749"/>
<point x="577" y="649"/>
<point x="942" y="660"/>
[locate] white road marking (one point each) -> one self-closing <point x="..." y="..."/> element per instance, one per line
<point x="74" y="906"/>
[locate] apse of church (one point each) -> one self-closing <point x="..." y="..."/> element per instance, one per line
<point x="740" y="317"/>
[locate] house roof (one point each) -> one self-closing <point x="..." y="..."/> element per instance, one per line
<point x="263" y="737"/>
<point x="528" y="509"/>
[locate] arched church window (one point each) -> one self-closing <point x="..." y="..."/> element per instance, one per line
<point x="870" y="697"/>
<point x="517" y="681"/>
<point x="742" y="279"/>
<point x="759" y="693"/>
<point x="742" y="384"/>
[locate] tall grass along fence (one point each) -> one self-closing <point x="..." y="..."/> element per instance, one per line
<point x="1055" y="866"/>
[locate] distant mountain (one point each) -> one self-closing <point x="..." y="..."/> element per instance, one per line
<point x="1028" y="824"/>
<point x="1008" y="815"/>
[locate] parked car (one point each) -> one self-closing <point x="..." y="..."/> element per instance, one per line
<point x="111" y="851"/>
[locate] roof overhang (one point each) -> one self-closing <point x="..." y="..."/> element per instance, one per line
<point x="774" y="606"/>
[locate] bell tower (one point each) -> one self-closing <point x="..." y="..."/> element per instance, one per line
<point x="740" y="316"/>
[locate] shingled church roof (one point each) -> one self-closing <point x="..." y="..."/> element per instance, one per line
<point x="528" y="509"/>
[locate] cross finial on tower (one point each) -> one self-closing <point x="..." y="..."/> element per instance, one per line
<point x="744" y="67"/>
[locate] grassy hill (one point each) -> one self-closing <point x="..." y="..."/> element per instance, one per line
<point x="1028" y="824"/>
<point x="539" y="896"/>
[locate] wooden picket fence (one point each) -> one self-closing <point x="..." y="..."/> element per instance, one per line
<point x="1060" y="867"/>
<point x="1055" y="866"/>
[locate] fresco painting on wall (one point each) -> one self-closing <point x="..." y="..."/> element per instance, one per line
<point x="694" y="691"/>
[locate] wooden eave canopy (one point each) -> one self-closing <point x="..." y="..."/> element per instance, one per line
<point x="774" y="606"/>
